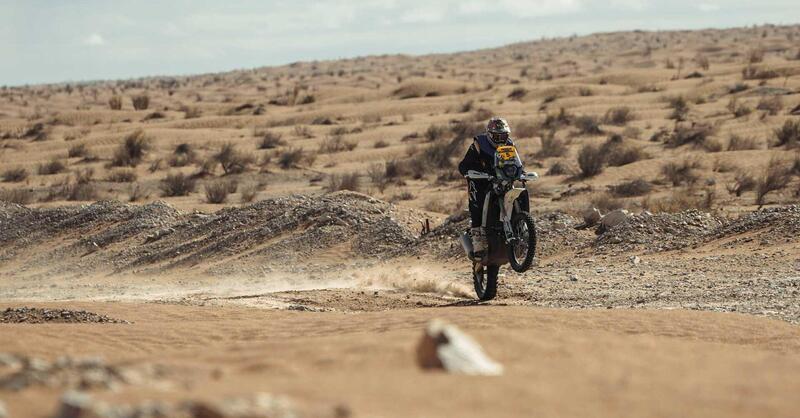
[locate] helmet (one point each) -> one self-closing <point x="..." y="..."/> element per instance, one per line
<point x="498" y="130"/>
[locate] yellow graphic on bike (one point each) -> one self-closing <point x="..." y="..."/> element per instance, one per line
<point x="507" y="153"/>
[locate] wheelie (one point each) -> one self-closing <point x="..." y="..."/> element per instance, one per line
<point x="502" y="228"/>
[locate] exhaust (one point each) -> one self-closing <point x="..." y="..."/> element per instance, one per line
<point x="466" y="242"/>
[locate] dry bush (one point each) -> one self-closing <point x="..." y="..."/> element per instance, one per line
<point x="618" y="153"/>
<point x="755" y="73"/>
<point x="121" y="175"/>
<point x="465" y="129"/>
<point x="606" y="203"/>
<point x="684" y="172"/>
<point x="336" y="143"/>
<point x="217" y="191"/>
<point x="15" y="175"/>
<point x="156" y="165"/>
<point x="743" y="182"/>
<point x="132" y="150"/>
<point x="738" y="88"/>
<point x="140" y="102"/>
<point x="777" y="176"/>
<point x="702" y="62"/>
<point x="788" y="134"/>
<point x="518" y="93"/>
<point x="78" y="150"/>
<point x="177" y="184"/>
<point x="525" y="129"/>
<point x="395" y="169"/>
<point x="680" y="108"/>
<point x="588" y="125"/>
<point x="404" y="195"/>
<point x="435" y="132"/>
<point x="303" y="131"/>
<point x="182" y="156"/>
<point x="82" y="189"/>
<point x="248" y="192"/>
<point x="738" y="109"/>
<point x="680" y="201"/>
<point x="115" y="103"/>
<point x="18" y="196"/>
<point x="638" y="187"/>
<point x="739" y="143"/>
<point x="232" y="160"/>
<point x="560" y="168"/>
<point x="591" y="160"/>
<point x="291" y="157"/>
<point x="552" y="146"/>
<point x="696" y="135"/>
<point x="755" y="55"/>
<point x="347" y="181"/>
<point x="770" y="104"/>
<point x="137" y="193"/>
<point x="619" y="116"/>
<point x="54" y="166"/>
<point x="712" y="145"/>
<point x="269" y="140"/>
<point x="482" y="115"/>
<point x="191" y="112"/>
<point x="380" y="144"/>
<point x="558" y="120"/>
<point x="631" y="132"/>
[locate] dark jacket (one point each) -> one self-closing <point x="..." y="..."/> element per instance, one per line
<point x="480" y="155"/>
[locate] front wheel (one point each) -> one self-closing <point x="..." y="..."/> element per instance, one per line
<point x="522" y="250"/>
<point x="485" y="279"/>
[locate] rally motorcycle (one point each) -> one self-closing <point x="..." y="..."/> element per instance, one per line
<point x="510" y="231"/>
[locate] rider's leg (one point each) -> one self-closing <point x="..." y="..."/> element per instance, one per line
<point x="477" y="194"/>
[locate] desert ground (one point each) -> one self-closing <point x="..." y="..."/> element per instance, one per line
<point x="201" y="245"/>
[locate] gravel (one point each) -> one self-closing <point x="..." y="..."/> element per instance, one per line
<point x="27" y="315"/>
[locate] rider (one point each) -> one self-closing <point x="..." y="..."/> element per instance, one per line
<point x="480" y="157"/>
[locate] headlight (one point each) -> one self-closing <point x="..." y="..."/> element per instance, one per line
<point x="511" y="171"/>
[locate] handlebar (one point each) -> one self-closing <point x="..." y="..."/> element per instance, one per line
<point x="477" y="175"/>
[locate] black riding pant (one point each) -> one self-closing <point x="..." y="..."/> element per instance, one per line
<point x="477" y="191"/>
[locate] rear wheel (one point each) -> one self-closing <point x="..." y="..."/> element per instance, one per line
<point x="485" y="279"/>
<point x="522" y="250"/>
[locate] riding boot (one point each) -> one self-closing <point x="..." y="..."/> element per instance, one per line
<point x="479" y="245"/>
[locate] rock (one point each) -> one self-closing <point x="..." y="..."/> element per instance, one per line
<point x="75" y="405"/>
<point x="614" y="218"/>
<point x="591" y="217"/>
<point x="635" y="260"/>
<point x="443" y="346"/>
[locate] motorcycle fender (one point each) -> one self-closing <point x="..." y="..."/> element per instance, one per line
<point x="508" y="202"/>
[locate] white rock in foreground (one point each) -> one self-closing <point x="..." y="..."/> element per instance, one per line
<point x="443" y="346"/>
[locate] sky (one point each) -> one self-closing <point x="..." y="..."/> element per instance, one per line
<point x="47" y="41"/>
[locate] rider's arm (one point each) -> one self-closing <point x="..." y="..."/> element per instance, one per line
<point x="471" y="161"/>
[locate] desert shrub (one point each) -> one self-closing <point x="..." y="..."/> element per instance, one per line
<point x="788" y="134"/>
<point x="396" y="169"/>
<point x="525" y="129"/>
<point x="435" y="132"/>
<point x="680" y="201"/>
<point x="54" y="166"/>
<point x="776" y="176"/>
<point x="618" y="153"/>
<point x="232" y="160"/>
<point x="606" y="203"/>
<point x="380" y="144"/>
<point x="15" y="175"/>
<point x="585" y="92"/>
<point x="465" y="129"/>
<point x="269" y="140"/>
<point x="482" y="115"/>
<point x="78" y="150"/>
<point x="303" y="131"/>
<point x="18" y="196"/>
<point x="638" y="187"/>
<point x="632" y="132"/>
<point x="404" y="195"/>
<point x="754" y="73"/>
<point x="702" y="62"/>
<point x="739" y="143"/>
<point x="307" y="99"/>
<point x="680" y="108"/>
<point x="121" y="175"/>
<point x="755" y="55"/>
<point x="81" y="190"/>
<point x="588" y="125"/>
<point x="177" y="184"/>
<point x="154" y="115"/>
<point x="743" y="182"/>
<point x="290" y="157"/>
<point x="141" y="102"/>
<point x="738" y="88"/>
<point x="590" y="160"/>
<point x="248" y="192"/>
<point x="684" y="172"/>
<point x="182" y="156"/>
<point x="518" y="93"/>
<point x="619" y="116"/>
<point x="737" y="108"/>
<point x="336" y="143"/>
<point x="559" y="169"/>
<point x="770" y="104"/>
<point x="115" y="103"/>
<point x="557" y="120"/>
<point x="552" y="146"/>
<point x="695" y="135"/>
<point x="191" y="112"/>
<point x="466" y="107"/>
<point x="217" y="191"/>
<point x="347" y="181"/>
<point x="132" y="150"/>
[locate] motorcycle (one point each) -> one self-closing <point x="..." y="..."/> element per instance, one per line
<point x="510" y="229"/>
